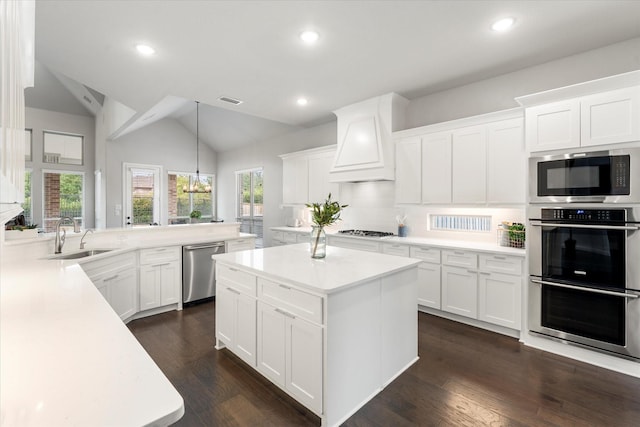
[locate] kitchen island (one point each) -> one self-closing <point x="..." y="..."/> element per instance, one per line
<point x="330" y="332"/>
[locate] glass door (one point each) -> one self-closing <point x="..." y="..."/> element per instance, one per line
<point x="142" y="195"/>
<point x="250" y="203"/>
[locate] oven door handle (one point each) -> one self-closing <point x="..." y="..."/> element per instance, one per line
<point x="580" y="288"/>
<point x="593" y="227"/>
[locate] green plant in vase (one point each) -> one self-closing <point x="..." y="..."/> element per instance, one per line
<point x="323" y="215"/>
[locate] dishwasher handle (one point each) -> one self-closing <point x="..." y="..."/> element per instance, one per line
<point x="196" y="247"/>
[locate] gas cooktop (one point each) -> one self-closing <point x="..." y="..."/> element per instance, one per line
<point x="365" y="233"/>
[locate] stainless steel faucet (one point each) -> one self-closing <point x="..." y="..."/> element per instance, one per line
<point x="82" y="242"/>
<point x="60" y="239"/>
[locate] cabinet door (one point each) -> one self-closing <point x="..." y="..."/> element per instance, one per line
<point x="610" y="117"/>
<point x="123" y="293"/>
<point x="553" y="126"/>
<point x="469" y="170"/>
<point x="225" y="313"/>
<point x="295" y="180"/>
<point x="171" y="280"/>
<point x="150" y="287"/>
<point x="102" y="287"/>
<point x="436" y="168"/>
<point x="460" y="291"/>
<point x="304" y="362"/>
<point x="319" y="185"/>
<point x="506" y="159"/>
<point x="271" y="343"/>
<point x="408" y="170"/>
<point x="499" y="299"/>
<point x="429" y="285"/>
<point x="244" y="343"/>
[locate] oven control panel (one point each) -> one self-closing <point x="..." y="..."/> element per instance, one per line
<point x="584" y="215"/>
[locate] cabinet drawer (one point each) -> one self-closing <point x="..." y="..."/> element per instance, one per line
<point x="289" y="237"/>
<point x="395" y="249"/>
<point x="426" y="254"/>
<point x="240" y="245"/>
<point x="155" y="255"/>
<point x="460" y="259"/>
<point x="292" y="300"/>
<point x="358" y="244"/>
<point x="501" y="264"/>
<point x="93" y="269"/>
<point x="237" y="279"/>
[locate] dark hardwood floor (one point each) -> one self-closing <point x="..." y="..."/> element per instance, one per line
<point x="465" y="377"/>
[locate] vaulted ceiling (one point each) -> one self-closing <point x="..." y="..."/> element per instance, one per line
<point x="250" y="50"/>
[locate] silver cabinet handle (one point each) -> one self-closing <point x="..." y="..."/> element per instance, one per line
<point x="484" y="273"/>
<point x="233" y="269"/>
<point x="285" y="313"/>
<point x="579" y="288"/>
<point x="594" y="227"/>
<point x="233" y="291"/>
<point x="285" y="287"/>
<point x="499" y="257"/>
<point x="458" y="253"/>
<point x="111" y="278"/>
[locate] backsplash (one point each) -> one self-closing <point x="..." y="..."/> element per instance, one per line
<point x="372" y="207"/>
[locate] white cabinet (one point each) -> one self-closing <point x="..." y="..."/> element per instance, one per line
<point x="428" y="276"/>
<point x="240" y="244"/>
<point x="160" y="277"/>
<point x="408" y="170"/>
<point x="295" y="180"/>
<point x="280" y="238"/>
<point x="290" y="354"/>
<point x="553" y="126"/>
<point x="116" y="278"/>
<point x="610" y="117"/>
<point x="236" y="312"/>
<point x="305" y="176"/>
<point x="351" y="243"/>
<point x="604" y="118"/>
<point x="460" y="291"/>
<point x="506" y="160"/>
<point x="500" y="290"/>
<point x="397" y="249"/>
<point x="469" y="170"/>
<point x="436" y="168"/>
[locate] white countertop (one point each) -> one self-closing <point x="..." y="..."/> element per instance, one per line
<point x="419" y="241"/>
<point x="67" y="358"/>
<point x="293" y="264"/>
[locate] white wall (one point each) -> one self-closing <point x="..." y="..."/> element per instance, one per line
<point x="498" y="93"/>
<point x="165" y="143"/>
<point x="265" y="154"/>
<point x="40" y="120"/>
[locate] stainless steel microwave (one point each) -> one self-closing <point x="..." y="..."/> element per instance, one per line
<point x="597" y="177"/>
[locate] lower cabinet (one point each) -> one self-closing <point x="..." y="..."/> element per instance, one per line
<point x="240" y="244"/>
<point x="160" y="277"/>
<point x="290" y="354"/>
<point x="120" y="289"/>
<point x="236" y="321"/>
<point x="460" y="291"/>
<point x="429" y="285"/>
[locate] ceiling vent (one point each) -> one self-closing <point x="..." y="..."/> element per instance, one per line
<point x="230" y="100"/>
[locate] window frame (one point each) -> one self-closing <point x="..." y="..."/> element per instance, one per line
<point x="191" y="176"/>
<point x="44" y="194"/>
<point x="44" y="147"/>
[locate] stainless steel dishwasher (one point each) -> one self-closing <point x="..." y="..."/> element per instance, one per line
<point x="198" y="271"/>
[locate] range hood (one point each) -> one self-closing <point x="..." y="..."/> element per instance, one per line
<point x="365" y="148"/>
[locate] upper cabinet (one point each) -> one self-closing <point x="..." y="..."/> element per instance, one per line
<point x="600" y="112"/>
<point x="305" y="176"/>
<point x="365" y="147"/>
<point x="475" y="161"/>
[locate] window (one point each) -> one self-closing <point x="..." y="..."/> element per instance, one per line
<point x="63" y="148"/>
<point x="181" y="203"/>
<point x="63" y="197"/>
<point x="250" y="202"/>
<point x="28" y="137"/>
<point x="26" y="205"/>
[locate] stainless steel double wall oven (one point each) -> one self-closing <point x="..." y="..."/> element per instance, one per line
<point x="584" y="259"/>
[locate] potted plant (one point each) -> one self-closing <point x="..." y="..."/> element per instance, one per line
<point x="322" y="215"/>
<point x="15" y="232"/>
<point x="195" y="215"/>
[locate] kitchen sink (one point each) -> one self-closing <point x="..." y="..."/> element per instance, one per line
<point x="82" y="254"/>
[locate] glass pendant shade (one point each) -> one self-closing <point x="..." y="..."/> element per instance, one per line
<point x="197" y="186"/>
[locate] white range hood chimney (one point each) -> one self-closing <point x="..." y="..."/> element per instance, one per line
<point x="365" y="148"/>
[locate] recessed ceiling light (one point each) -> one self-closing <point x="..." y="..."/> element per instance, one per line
<point x="503" y="24"/>
<point x="144" y="49"/>
<point x="309" y="37"/>
<point x="302" y="102"/>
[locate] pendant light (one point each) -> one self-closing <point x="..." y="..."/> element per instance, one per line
<point x="197" y="186"/>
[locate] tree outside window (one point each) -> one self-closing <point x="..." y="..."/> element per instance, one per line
<point x="63" y="197"/>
